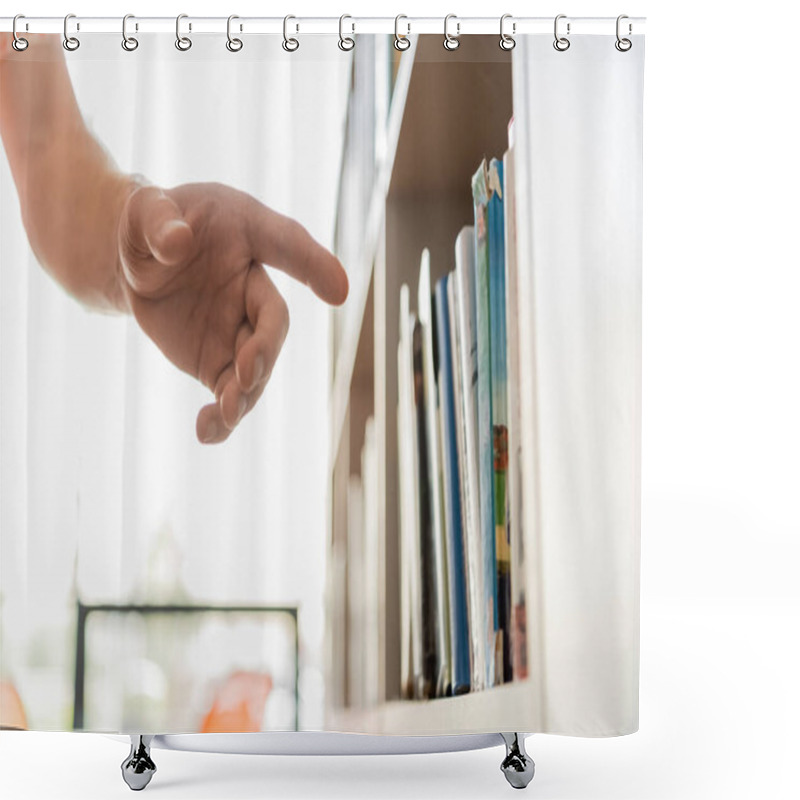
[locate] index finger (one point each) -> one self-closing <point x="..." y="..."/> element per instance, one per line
<point x="281" y="242"/>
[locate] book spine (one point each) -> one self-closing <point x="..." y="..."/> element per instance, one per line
<point x="459" y="633"/>
<point x="480" y="193"/>
<point x="427" y="545"/>
<point x="411" y="662"/>
<point x="409" y="499"/>
<point x="406" y="641"/>
<point x="466" y="302"/>
<point x="433" y="455"/>
<point x="461" y="460"/>
<point x="499" y="380"/>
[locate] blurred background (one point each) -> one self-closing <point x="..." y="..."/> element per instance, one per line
<point x="107" y="497"/>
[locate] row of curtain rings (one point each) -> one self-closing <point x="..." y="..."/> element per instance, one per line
<point x="290" y="43"/>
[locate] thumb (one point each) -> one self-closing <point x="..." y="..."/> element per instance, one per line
<point x="152" y="228"/>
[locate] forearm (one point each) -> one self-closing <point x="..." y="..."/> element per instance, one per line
<point x="71" y="194"/>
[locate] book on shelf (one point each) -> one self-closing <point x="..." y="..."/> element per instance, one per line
<point x="462" y="604"/>
<point x="451" y="492"/>
<point x="481" y="194"/>
<point x="416" y="509"/>
<point x="431" y="641"/>
<point x="462" y="562"/>
<point x="434" y="472"/>
<point x="458" y="427"/>
<point x="408" y="473"/>
<point x="466" y="327"/>
<point x="499" y="380"/>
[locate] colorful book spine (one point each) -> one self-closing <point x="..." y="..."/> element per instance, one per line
<point x="463" y="610"/>
<point x="459" y="631"/>
<point x="480" y="194"/>
<point x="499" y="381"/>
<point x="461" y="454"/>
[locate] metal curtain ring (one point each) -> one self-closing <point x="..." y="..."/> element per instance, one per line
<point x="401" y="41"/>
<point x="290" y="44"/>
<point x="183" y="43"/>
<point x="561" y="43"/>
<point x="507" y="42"/>
<point x="129" y="43"/>
<point x="70" y="42"/>
<point x="233" y="44"/>
<point x="623" y="45"/>
<point x="451" y="42"/>
<point x="346" y="42"/>
<point x="18" y="43"/>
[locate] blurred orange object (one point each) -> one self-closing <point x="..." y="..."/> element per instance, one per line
<point x="238" y="705"/>
<point x="12" y="712"/>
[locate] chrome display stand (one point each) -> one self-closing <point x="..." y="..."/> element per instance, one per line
<point x="138" y="768"/>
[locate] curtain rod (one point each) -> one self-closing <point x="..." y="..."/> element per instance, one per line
<point x="326" y="25"/>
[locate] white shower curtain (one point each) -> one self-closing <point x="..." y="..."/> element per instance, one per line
<point x="107" y="495"/>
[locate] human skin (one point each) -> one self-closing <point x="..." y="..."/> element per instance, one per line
<point x="187" y="262"/>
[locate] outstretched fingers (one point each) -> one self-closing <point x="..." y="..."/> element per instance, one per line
<point x="258" y="342"/>
<point x="210" y="427"/>
<point x="216" y="420"/>
<point x="284" y="243"/>
<point x="269" y="316"/>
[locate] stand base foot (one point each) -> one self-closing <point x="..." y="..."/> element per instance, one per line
<point x="138" y="768"/>
<point x="517" y="766"/>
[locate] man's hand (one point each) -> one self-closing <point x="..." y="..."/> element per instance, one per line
<point x="187" y="262"/>
<point x="190" y="267"/>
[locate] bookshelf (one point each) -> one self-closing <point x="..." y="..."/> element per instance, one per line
<point x="448" y="110"/>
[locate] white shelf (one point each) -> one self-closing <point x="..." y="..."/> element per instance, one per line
<point x="449" y="110"/>
<point x="354" y="316"/>
<point x="510" y="706"/>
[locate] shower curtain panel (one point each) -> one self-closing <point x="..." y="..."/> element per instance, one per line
<point x="320" y="380"/>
